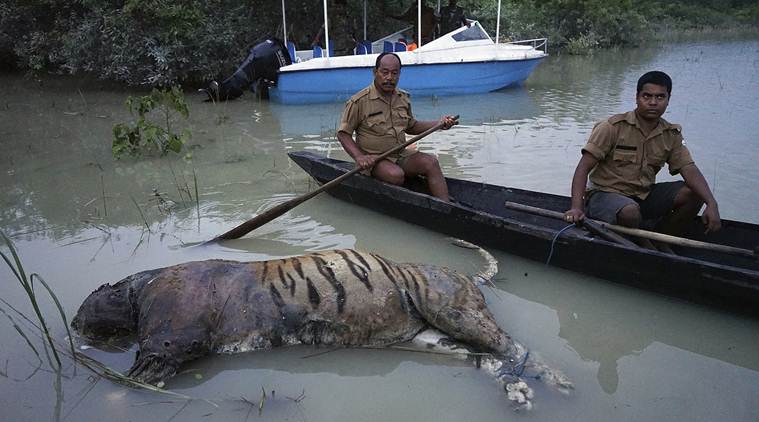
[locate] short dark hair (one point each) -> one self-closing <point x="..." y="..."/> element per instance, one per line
<point x="657" y="78"/>
<point x="379" y="58"/>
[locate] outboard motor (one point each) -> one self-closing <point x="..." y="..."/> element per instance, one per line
<point x="260" y="67"/>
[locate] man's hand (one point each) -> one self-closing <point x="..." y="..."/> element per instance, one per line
<point x="448" y="122"/>
<point x="365" y="161"/>
<point x="711" y="218"/>
<point x="574" y="215"/>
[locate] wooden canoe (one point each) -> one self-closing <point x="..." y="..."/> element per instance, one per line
<point x="479" y="216"/>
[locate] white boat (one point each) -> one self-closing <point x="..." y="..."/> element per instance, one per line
<point x="464" y="61"/>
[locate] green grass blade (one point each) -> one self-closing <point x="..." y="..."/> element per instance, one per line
<point x="23" y="334"/>
<point x="21" y="275"/>
<point x="57" y="305"/>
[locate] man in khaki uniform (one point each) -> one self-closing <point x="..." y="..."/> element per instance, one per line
<point x="623" y="155"/>
<point x="380" y="115"/>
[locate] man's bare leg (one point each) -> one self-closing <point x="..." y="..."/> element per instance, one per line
<point x="427" y="165"/>
<point x="629" y="216"/>
<point x="389" y="172"/>
<point x="684" y="209"/>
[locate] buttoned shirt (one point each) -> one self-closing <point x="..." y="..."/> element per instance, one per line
<point x="628" y="160"/>
<point x="380" y="123"/>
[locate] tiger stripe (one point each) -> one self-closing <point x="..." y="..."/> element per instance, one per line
<point x="281" y="273"/>
<point x="357" y="270"/>
<point x="326" y="272"/>
<point x="276" y="297"/>
<point x="360" y="259"/>
<point x="292" y="285"/>
<point x="313" y="295"/>
<point x="264" y="272"/>
<point x="416" y="285"/>
<point x="298" y="268"/>
<point x="385" y="266"/>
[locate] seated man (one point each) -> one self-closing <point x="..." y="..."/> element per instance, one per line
<point x="380" y="114"/>
<point x="451" y="17"/>
<point x="429" y="20"/>
<point x="623" y="155"/>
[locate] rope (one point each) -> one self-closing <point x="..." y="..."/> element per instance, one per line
<point x="550" y="254"/>
<point x="519" y="368"/>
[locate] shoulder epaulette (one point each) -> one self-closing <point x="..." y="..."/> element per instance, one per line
<point x="364" y="92"/>
<point x="617" y="118"/>
<point x="672" y="126"/>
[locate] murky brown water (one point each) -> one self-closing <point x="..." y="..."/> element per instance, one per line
<point x="71" y="211"/>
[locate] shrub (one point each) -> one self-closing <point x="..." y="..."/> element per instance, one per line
<point x="146" y="134"/>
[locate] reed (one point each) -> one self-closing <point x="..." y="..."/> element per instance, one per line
<point x="27" y="282"/>
<point x="102" y="188"/>
<point x="197" y="197"/>
<point x="144" y="220"/>
<point x="176" y="184"/>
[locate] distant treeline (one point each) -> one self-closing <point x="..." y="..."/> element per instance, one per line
<point x="163" y="42"/>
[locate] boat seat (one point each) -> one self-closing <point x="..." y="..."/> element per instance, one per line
<point x="318" y="52"/>
<point x="360" y="49"/>
<point x="291" y="50"/>
<point x="387" y="47"/>
<point x="367" y="45"/>
<point x="399" y="46"/>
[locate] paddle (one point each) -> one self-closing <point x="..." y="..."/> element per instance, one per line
<point x="661" y="237"/>
<point x="280" y="209"/>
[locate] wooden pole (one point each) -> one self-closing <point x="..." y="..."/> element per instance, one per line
<point x="645" y="234"/>
<point x="280" y="209"/>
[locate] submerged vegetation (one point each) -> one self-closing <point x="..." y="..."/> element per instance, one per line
<point x="143" y="42"/>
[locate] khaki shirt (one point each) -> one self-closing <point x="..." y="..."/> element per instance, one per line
<point x="628" y="160"/>
<point x="379" y="125"/>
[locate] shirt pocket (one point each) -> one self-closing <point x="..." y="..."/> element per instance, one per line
<point x="401" y="117"/>
<point x="656" y="155"/>
<point x="377" y="123"/>
<point x="625" y="155"/>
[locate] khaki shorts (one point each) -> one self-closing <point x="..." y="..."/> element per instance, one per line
<point x="604" y="206"/>
<point x="396" y="159"/>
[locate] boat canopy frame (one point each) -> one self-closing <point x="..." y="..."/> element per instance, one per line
<point x="418" y="26"/>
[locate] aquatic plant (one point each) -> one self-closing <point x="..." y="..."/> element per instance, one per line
<point x="27" y="282"/>
<point x="146" y="134"/>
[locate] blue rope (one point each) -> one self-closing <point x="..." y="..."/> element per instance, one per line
<point x="550" y="254"/>
<point x="519" y="368"/>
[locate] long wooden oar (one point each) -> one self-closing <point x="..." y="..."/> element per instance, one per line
<point x="280" y="209"/>
<point x="661" y="237"/>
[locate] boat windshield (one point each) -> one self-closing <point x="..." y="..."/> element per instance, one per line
<point x="474" y="32"/>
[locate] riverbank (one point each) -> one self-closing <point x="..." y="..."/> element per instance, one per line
<point x="142" y="43"/>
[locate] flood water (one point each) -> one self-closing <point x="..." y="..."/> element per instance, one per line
<point x="79" y="219"/>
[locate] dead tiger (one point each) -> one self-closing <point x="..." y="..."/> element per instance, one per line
<point x="337" y="298"/>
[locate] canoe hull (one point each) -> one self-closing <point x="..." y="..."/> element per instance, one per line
<point x="727" y="281"/>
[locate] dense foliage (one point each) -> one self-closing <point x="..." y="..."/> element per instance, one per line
<point x="161" y="42"/>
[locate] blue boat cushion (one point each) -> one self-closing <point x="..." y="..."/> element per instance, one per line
<point x="367" y="45"/>
<point x="291" y="50"/>
<point x="317" y="51"/>
<point x="399" y="46"/>
<point x="387" y="47"/>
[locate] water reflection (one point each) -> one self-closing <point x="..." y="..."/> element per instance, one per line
<point x="609" y="323"/>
